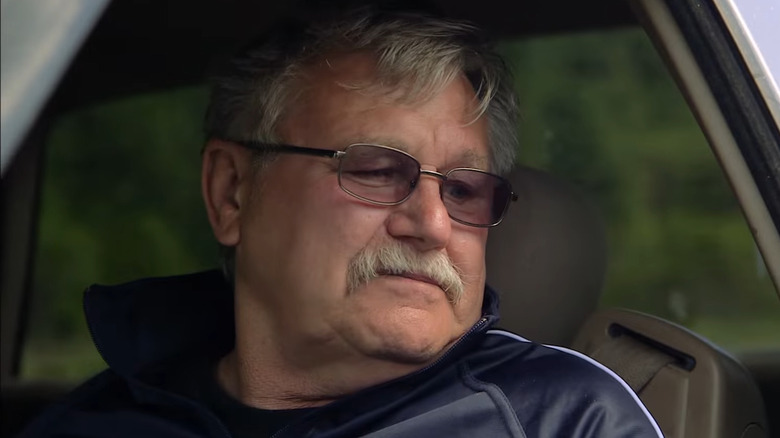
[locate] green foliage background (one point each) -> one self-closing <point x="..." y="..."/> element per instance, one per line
<point x="121" y="196"/>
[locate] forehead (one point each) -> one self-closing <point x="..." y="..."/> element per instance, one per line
<point x="343" y="99"/>
<point x="469" y="157"/>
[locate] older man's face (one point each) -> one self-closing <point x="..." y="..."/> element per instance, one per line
<point x="301" y="231"/>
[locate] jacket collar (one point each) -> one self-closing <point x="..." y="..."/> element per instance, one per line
<point x="152" y="321"/>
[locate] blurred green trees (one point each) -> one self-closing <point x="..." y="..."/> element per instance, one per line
<point x="121" y="196"/>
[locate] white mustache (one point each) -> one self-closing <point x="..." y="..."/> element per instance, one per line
<point x="398" y="258"/>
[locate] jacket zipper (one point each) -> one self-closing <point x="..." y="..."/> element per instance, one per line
<point x="468" y="334"/>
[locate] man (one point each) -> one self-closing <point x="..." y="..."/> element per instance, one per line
<point x="351" y="174"/>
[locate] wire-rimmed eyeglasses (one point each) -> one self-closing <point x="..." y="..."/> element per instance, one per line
<point x="383" y="175"/>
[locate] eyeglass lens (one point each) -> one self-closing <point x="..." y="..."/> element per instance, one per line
<point x="387" y="176"/>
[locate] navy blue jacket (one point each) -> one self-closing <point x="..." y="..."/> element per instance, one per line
<point x="491" y="383"/>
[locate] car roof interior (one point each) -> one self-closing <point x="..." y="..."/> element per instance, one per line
<point x="141" y="48"/>
<point x="145" y="45"/>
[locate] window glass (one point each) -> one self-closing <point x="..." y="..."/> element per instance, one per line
<point x="120" y="201"/>
<point x="600" y="110"/>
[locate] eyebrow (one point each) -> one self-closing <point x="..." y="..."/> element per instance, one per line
<point x="468" y="158"/>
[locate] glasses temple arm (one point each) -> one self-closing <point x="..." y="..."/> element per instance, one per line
<point x="290" y="149"/>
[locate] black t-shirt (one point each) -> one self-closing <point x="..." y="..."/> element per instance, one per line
<point x="198" y="382"/>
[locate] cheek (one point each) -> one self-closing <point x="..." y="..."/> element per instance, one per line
<point x="345" y="224"/>
<point x="467" y="250"/>
<point x="323" y="229"/>
<point x="298" y="245"/>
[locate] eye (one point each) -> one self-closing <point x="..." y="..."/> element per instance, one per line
<point x="374" y="176"/>
<point x="459" y="191"/>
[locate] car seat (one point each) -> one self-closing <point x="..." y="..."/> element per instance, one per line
<point x="548" y="260"/>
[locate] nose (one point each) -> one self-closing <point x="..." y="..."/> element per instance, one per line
<point x="422" y="220"/>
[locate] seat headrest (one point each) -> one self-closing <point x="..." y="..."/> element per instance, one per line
<point x="547" y="259"/>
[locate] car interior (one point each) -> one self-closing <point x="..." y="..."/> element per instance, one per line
<point x="550" y="259"/>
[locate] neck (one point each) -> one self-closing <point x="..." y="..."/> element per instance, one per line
<point x="265" y="382"/>
<point x="259" y="389"/>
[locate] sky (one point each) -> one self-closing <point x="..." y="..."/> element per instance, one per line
<point x="763" y="19"/>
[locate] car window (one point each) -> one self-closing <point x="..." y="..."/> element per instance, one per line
<point x="601" y="110"/>
<point x="121" y="197"/>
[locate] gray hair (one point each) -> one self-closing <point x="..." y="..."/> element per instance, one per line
<point x="416" y="54"/>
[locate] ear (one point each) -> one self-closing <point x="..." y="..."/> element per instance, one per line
<point x="225" y="179"/>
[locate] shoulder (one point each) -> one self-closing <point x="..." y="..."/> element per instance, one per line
<point x="102" y="392"/>
<point x="109" y="405"/>
<point x="503" y="351"/>
<point x="556" y="391"/>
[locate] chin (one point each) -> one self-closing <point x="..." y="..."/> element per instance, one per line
<point x="411" y="344"/>
<point x="408" y="333"/>
<point x="409" y="356"/>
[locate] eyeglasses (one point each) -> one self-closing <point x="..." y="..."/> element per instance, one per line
<point x="383" y="175"/>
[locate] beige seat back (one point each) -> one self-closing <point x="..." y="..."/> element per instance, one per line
<point x="692" y="387"/>
<point x="547" y="259"/>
